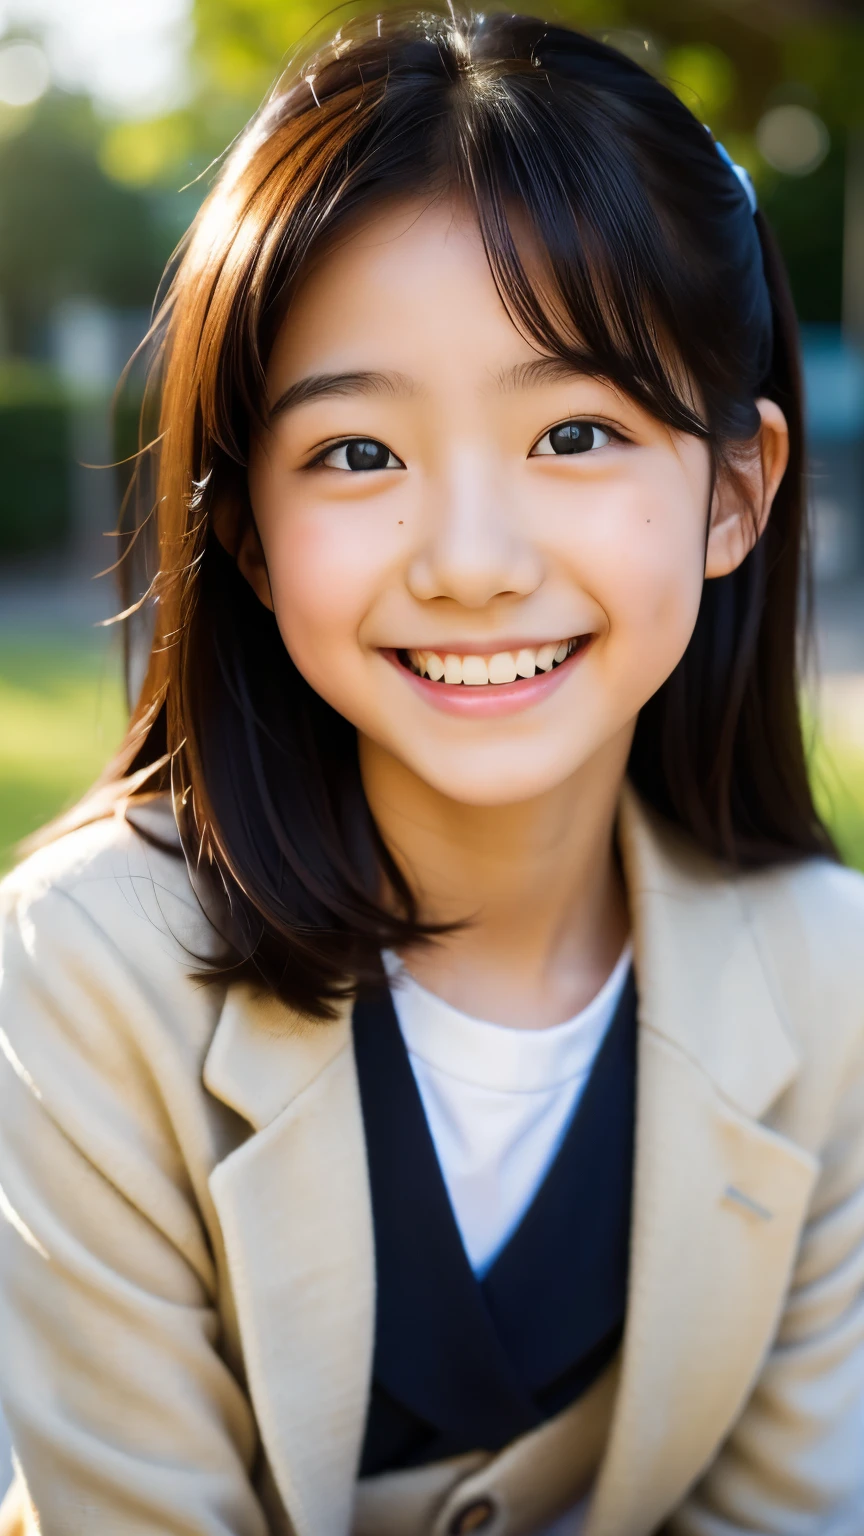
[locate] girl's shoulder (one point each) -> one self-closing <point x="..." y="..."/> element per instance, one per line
<point x="108" y="1130"/>
<point x="102" y="923"/>
<point x="807" y="921"/>
<point x="805" y="909"/>
<point x="811" y="907"/>
<point x="795" y="927"/>
<point x="124" y="869"/>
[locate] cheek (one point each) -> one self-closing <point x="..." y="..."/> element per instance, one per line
<point x="655" y="581"/>
<point x="647" y="559"/>
<point x="325" y="573"/>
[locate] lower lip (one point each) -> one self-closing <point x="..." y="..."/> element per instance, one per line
<point x="487" y="700"/>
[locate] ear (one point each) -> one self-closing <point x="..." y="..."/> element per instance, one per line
<point x="742" y="501"/>
<point x="233" y="523"/>
<point x="252" y="564"/>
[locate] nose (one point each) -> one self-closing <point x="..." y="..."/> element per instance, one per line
<point x="474" y="547"/>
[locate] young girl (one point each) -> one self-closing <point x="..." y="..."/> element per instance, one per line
<point x="433" y="1070"/>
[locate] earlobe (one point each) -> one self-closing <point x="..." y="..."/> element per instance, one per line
<point x="742" y="499"/>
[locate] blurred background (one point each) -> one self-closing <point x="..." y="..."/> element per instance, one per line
<point x="112" y="114"/>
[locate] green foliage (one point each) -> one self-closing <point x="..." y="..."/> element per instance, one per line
<point x="35" y="510"/>
<point x="829" y="60"/>
<point x="838" y="781"/>
<point x="807" y="217"/>
<point x="150" y="151"/>
<point x="28" y="383"/>
<point x="66" y="229"/>
<point x="703" y="76"/>
<point x="242" y="44"/>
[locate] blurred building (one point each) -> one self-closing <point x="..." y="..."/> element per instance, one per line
<point x="834" y="382"/>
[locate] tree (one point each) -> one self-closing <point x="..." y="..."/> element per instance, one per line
<point x="66" y="229"/>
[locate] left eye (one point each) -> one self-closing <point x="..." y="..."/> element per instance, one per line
<point x="360" y="453"/>
<point x="571" y="437"/>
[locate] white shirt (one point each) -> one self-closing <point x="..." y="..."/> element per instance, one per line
<point x="498" y="1100"/>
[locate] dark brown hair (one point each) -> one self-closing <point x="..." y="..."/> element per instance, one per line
<point x="667" y="285"/>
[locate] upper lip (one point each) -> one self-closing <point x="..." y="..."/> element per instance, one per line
<point x="484" y="647"/>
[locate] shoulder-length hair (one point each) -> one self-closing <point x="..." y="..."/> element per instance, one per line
<point x="662" y="281"/>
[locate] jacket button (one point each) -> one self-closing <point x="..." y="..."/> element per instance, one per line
<point x="472" y="1517"/>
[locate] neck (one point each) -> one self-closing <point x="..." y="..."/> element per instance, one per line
<point x="536" y="884"/>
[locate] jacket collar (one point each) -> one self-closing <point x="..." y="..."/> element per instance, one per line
<point x="265" y="1055"/>
<point x="702" y="981"/>
<point x="702" y="984"/>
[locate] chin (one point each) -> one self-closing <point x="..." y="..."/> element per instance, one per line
<point x="500" y="782"/>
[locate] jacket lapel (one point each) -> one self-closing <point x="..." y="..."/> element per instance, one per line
<point x="719" y="1199"/>
<point x="294" y="1206"/>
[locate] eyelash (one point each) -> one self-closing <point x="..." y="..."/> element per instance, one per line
<point x="579" y="421"/>
<point x="344" y="442"/>
<point x="582" y="421"/>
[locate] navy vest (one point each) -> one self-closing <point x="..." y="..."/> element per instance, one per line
<point x="462" y="1364"/>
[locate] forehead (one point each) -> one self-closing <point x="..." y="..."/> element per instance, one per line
<point x="405" y="292"/>
<point x="406" y="286"/>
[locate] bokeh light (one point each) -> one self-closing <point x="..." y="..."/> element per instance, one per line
<point x="129" y="55"/>
<point x="793" y="140"/>
<point x="24" y="74"/>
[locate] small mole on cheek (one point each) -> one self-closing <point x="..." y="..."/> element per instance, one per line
<point x="400" y="522"/>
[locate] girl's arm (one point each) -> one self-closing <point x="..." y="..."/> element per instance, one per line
<point x="794" y="1463"/>
<point x="124" y="1415"/>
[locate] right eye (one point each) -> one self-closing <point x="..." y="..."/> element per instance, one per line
<point x="358" y="454"/>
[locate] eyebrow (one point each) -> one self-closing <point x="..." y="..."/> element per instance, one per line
<point x="318" y="386"/>
<point x="367" y="381"/>
<point x="540" y="370"/>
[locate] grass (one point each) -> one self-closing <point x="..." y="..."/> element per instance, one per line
<point x="61" y="715"/>
<point x="838" y="784"/>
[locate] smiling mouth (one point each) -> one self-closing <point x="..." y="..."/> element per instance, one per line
<point x="475" y="670"/>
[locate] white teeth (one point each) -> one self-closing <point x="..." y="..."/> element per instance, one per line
<point x="474" y="670"/>
<point x="502" y="668"/>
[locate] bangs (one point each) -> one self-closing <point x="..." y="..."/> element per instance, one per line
<point x="582" y="170"/>
<point x="584" y="174"/>
<point x="565" y="293"/>
<point x="588" y="267"/>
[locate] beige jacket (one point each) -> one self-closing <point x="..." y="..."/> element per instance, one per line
<point x="186" y="1254"/>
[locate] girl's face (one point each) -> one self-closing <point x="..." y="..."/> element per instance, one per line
<point x="483" y="561"/>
